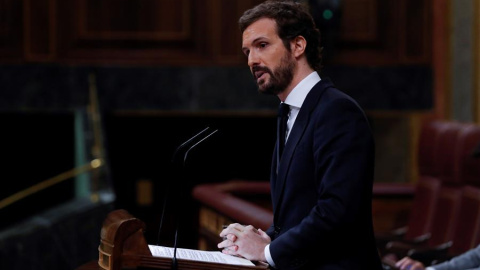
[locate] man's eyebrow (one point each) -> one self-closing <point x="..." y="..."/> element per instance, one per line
<point x="253" y="42"/>
<point x="258" y="39"/>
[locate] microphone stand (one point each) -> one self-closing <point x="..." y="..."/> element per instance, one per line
<point x="179" y="149"/>
<point x="179" y="161"/>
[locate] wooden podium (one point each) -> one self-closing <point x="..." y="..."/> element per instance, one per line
<point x="123" y="246"/>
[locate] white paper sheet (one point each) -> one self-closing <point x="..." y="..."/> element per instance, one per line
<point x="198" y="255"/>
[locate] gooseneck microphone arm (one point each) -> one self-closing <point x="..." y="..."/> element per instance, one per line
<point x="188" y="143"/>
<point x="174" y="259"/>
<point x="193" y="146"/>
<point x="179" y="160"/>
<point x="174" y="161"/>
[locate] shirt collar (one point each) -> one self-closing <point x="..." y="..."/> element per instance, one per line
<point x="300" y="92"/>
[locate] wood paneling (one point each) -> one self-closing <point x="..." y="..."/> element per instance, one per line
<point x="376" y="32"/>
<point x="11" y="40"/>
<point x="168" y="20"/>
<point x="441" y="58"/>
<point x="359" y="21"/>
<point x="150" y="31"/>
<point x="196" y="32"/>
<point x="476" y="62"/>
<point x="415" y="25"/>
<point x="390" y="213"/>
<point x="39" y="31"/>
<point x="226" y="37"/>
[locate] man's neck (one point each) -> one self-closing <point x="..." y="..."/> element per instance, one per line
<point x="302" y="72"/>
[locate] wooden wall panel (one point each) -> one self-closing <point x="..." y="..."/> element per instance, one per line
<point x="226" y="37"/>
<point x="143" y="31"/>
<point x="196" y="32"/>
<point x="359" y="21"/>
<point x="476" y="61"/>
<point x="146" y="20"/>
<point x="39" y="31"/>
<point x="415" y="19"/>
<point x="376" y="32"/>
<point x="11" y="39"/>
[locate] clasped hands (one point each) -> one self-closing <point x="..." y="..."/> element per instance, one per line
<point x="244" y="241"/>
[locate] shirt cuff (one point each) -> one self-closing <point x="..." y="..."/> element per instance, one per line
<point x="268" y="256"/>
<point x="429" y="268"/>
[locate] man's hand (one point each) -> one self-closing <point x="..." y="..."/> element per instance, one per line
<point x="409" y="264"/>
<point x="244" y="241"/>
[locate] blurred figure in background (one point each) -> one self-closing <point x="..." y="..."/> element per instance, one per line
<point x="468" y="260"/>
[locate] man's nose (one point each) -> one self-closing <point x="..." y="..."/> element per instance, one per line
<point x="253" y="59"/>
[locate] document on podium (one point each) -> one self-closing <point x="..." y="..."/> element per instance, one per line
<point x="199" y="255"/>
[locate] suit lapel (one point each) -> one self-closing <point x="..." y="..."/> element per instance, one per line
<point x="296" y="134"/>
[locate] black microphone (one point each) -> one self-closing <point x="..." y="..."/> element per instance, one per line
<point x="179" y="159"/>
<point x="181" y="148"/>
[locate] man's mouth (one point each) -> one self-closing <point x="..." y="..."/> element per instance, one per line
<point x="259" y="74"/>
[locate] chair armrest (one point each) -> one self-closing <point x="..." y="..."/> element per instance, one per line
<point x="393" y="189"/>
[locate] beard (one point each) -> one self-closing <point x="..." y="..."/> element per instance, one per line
<point x="280" y="77"/>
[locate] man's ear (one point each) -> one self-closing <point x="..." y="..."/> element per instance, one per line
<point x="298" y="46"/>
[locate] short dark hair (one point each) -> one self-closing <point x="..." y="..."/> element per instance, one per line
<point x="293" y="20"/>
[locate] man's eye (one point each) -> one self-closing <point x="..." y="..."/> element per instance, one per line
<point x="263" y="45"/>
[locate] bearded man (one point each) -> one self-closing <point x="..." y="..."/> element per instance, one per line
<point x="322" y="167"/>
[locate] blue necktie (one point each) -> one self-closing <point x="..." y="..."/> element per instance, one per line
<point x="282" y="119"/>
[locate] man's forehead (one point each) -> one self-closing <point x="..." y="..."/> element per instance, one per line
<point x="264" y="27"/>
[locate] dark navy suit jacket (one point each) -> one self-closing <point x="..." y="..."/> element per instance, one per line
<point x="323" y="190"/>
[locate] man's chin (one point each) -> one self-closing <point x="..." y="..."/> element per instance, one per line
<point x="262" y="86"/>
<point x="267" y="90"/>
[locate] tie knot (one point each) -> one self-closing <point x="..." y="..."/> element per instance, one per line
<point x="283" y="109"/>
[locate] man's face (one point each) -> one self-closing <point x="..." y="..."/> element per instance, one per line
<point x="271" y="64"/>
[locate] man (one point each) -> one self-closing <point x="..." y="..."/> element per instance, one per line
<point x="322" y="182"/>
<point x="467" y="260"/>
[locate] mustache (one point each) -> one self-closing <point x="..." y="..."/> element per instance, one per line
<point x="260" y="68"/>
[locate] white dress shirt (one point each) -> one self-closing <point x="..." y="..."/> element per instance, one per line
<point x="295" y="100"/>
